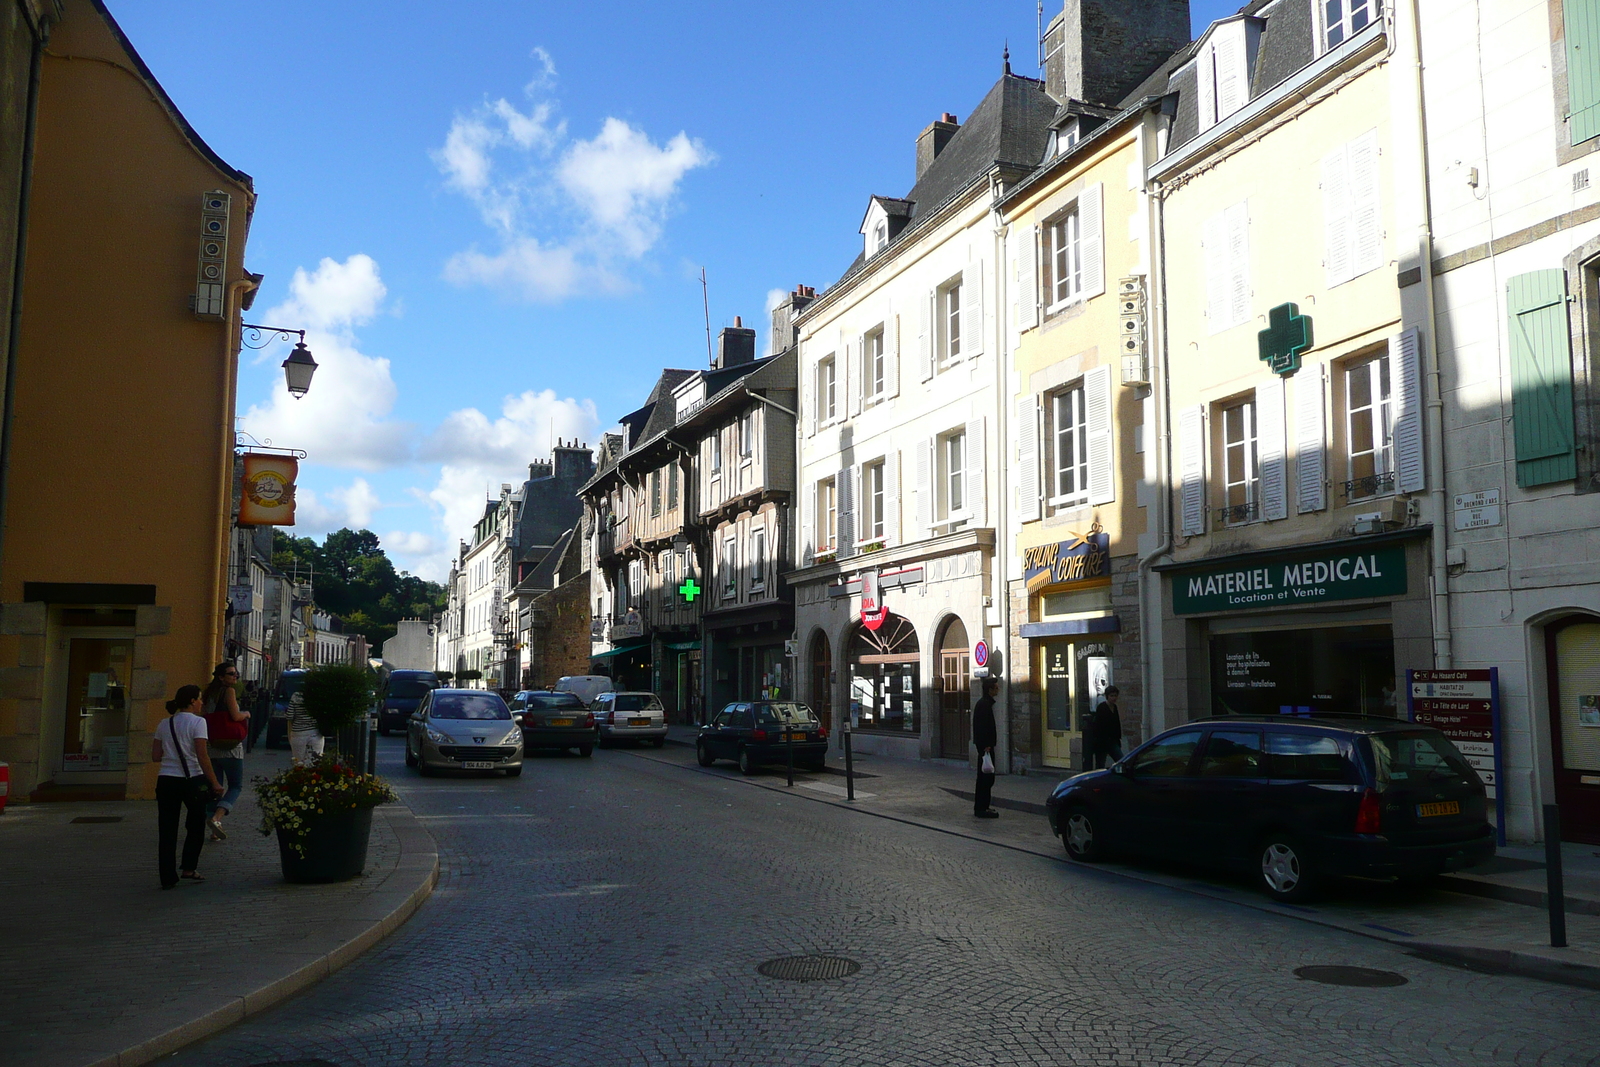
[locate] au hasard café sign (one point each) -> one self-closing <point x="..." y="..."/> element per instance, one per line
<point x="1285" y="581"/>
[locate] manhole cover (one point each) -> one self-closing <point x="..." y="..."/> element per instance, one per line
<point x="809" y="968"/>
<point x="1356" y="976"/>
<point x="98" y="818"/>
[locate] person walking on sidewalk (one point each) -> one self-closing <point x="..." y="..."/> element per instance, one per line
<point x="985" y="737"/>
<point x="227" y="727"/>
<point x="179" y="746"/>
<point x="1105" y="741"/>
<point x="305" y="736"/>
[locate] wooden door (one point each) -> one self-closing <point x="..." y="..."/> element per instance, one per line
<point x="1056" y="729"/>
<point x="1573" y="660"/>
<point x="822" y="682"/>
<point x="955" y="712"/>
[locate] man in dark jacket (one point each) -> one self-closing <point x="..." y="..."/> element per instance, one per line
<point x="1106" y="741"/>
<point x="985" y="736"/>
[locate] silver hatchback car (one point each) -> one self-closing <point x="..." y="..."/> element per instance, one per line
<point x="630" y="717"/>
<point x="466" y="730"/>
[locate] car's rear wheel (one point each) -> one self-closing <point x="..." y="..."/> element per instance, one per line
<point x="1081" y="836"/>
<point x="659" y="742"/>
<point x="702" y="754"/>
<point x="1283" y="869"/>
<point x="747" y="762"/>
<point x="586" y="750"/>
<point x="411" y="757"/>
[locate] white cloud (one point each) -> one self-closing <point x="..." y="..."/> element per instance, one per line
<point x="352" y="505"/>
<point x="774" y="298"/>
<point x="563" y="225"/>
<point x="343" y="421"/>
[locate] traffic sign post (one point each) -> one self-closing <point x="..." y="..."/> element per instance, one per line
<point x="1465" y="707"/>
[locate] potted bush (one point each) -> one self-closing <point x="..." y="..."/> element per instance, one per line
<point x="322" y="813"/>
<point x="337" y="695"/>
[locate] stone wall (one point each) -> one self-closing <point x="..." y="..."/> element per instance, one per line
<point x="558" y="634"/>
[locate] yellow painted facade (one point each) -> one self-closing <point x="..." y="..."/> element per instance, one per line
<point x="120" y="464"/>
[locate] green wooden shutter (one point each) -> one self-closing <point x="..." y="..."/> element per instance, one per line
<point x="1541" y="377"/>
<point x="1582" y="21"/>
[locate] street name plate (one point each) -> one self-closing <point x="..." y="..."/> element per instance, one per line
<point x="1474" y="511"/>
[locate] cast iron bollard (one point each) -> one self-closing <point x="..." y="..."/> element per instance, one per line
<point x="372" y="751"/>
<point x="788" y="752"/>
<point x="849" y="764"/>
<point x="1555" y="890"/>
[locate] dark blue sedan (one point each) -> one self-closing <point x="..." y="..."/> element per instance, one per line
<point x="763" y="731"/>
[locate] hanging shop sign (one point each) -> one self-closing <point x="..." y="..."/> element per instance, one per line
<point x="872" y="610"/>
<point x="268" y="495"/>
<point x="241" y="598"/>
<point x="630" y="625"/>
<point x="1286" y="581"/>
<point x="1085" y="558"/>
<point x="1465" y="707"/>
<point x="1288" y="334"/>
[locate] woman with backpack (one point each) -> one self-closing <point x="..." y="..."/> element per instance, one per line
<point x="179" y="746"/>
<point x="227" y="727"/>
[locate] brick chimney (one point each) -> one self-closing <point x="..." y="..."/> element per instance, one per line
<point x="783" y="316"/>
<point x="931" y="141"/>
<point x="1098" y="51"/>
<point x="735" y="345"/>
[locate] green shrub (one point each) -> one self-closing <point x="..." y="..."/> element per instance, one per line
<point x="338" y="695"/>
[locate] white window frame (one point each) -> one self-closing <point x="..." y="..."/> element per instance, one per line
<point x="1249" y="452"/>
<point x="951" y="473"/>
<point x="1344" y="23"/>
<point x="758" y="559"/>
<point x="947" y="319"/>
<point x="730" y="567"/>
<point x="1063" y="255"/>
<point x="747" y="436"/>
<point x="873" y="511"/>
<point x="827" y="515"/>
<point x="827" y="390"/>
<point x="716" y="452"/>
<point x="880" y="235"/>
<point x="1075" y="401"/>
<point x="1380" y="408"/>
<point x="874" y="363"/>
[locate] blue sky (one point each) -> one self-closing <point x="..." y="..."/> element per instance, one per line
<point x="493" y="215"/>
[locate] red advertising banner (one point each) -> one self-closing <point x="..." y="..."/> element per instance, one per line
<point x="268" y="496"/>
<point x="872" y="610"/>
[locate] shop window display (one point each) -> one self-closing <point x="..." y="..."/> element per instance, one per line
<point x="1346" y="670"/>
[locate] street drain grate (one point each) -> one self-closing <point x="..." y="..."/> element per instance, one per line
<point x="1353" y="976"/>
<point x="98" y="818"/>
<point x="809" y="968"/>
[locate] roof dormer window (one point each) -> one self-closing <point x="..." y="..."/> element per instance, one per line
<point x="1223" y="67"/>
<point x="880" y="235"/>
<point x="885" y="218"/>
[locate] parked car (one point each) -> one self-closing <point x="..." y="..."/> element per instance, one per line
<point x="762" y="731"/>
<point x="585" y="686"/>
<point x="1292" y="801"/>
<point x="630" y="717"/>
<point x="463" y="729"/>
<point x="401" y="694"/>
<point x="556" y="720"/>
<point x="289" y="683"/>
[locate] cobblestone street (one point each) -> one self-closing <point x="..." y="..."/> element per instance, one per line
<point x="614" y="910"/>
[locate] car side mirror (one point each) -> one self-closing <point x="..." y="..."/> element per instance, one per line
<point x="1119" y="768"/>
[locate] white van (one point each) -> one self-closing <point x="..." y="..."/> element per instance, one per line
<point x="586" y="686"/>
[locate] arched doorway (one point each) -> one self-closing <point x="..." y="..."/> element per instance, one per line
<point x="822" y="679"/>
<point x="886" y="678"/>
<point x="1572" y="657"/>
<point x="955" y="686"/>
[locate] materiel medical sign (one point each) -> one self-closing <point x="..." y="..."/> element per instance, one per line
<point x="1300" y="578"/>
<point x="1465" y="707"/>
<point x="267" y="498"/>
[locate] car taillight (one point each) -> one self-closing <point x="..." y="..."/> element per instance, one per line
<point x="588" y="720"/>
<point x="822" y="733"/>
<point x="759" y="735"/>
<point x="1369" y="816"/>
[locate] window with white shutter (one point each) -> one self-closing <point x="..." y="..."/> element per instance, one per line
<point x="925" y="337"/>
<point x="891" y="498"/>
<point x="1092" y="216"/>
<point x="1225" y="240"/>
<point x="1237" y="219"/>
<point x="858" y="366"/>
<point x="1222" y="71"/>
<point x="1310" y="437"/>
<point x="1028" y="466"/>
<point x="1192" y="470"/>
<point x="1241" y="461"/>
<point x="972" y="318"/>
<point x="1405" y="373"/>
<point x="924" y="487"/>
<point x="1272" y="444"/>
<point x="1352" y="214"/>
<point x="1025" y="252"/>
<point x="891" y="355"/>
<point x="1102" y="443"/>
<point x="847" y="514"/>
<point x="977" y="487"/>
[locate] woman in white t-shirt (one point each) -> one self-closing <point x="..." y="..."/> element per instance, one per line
<point x="180" y="747"/>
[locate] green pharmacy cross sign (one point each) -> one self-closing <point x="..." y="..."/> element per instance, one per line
<point x="689" y="590"/>
<point x="1288" y="334"/>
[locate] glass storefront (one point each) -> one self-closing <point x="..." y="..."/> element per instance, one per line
<point x="1346" y="670"/>
<point x="95" y="737"/>
<point x="886" y="679"/>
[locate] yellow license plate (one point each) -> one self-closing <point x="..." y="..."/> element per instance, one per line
<point x="797" y="737"/>
<point x="560" y="722"/>
<point x="638" y="722"/>
<point x="1444" y="807"/>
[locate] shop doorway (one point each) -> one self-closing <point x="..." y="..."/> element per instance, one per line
<point x="955" y="692"/>
<point x="1076" y="674"/>
<point x="93" y="707"/>
<point x="1572" y="651"/>
<point x="886" y="678"/>
<point x="822" y="680"/>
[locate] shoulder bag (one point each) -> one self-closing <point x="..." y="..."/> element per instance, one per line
<point x="183" y="761"/>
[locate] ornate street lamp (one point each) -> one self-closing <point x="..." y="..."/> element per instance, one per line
<point x="298" y="368"/>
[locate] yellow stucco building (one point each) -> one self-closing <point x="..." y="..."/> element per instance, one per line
<point x="119" y="465"/>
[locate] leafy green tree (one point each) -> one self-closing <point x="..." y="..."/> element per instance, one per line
<point x="356" y="581"/>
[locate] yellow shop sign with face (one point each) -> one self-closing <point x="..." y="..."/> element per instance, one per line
<point x="268" y="493"/>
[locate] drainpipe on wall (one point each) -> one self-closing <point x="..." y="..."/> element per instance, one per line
<point x="1150" y="625"/>
<point x="1443" y="652"/>
<point x="19" y="262"/>
<point x="1003" y="544"/>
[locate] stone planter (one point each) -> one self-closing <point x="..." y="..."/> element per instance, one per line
<point x="335" y="848"/>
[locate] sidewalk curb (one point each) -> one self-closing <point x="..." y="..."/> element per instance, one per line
<point x="1511" y="894"/>
<point x="400" y="894"/>
<point x="1522" y="964"/>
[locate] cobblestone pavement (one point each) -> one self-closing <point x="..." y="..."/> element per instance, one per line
<point x="96" y="961"/>
<point x="614" y="910"/>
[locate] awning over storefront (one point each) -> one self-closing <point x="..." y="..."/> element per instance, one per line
<point x="632" y="646"/>
<point x="1104" y="624"/>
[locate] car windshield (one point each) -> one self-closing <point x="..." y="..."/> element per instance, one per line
<point x="1420" y="756"/>
<point x="555" y="700"/>
<point x="470" y="706"/>
<point x="289" y="685"/>
<point x="638" y="702"/>
<point x="773" y="714"/>
<point x="408" y="689"/>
